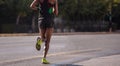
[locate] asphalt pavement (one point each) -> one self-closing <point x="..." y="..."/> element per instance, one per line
<point x="65" y="50"/>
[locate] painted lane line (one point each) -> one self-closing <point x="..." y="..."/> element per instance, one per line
<point x="49" y="55"/>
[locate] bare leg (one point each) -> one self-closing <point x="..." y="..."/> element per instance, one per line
<point x="49" y="32"/>
<point x="42" y="33"/>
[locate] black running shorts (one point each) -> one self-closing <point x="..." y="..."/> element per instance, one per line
<point x="44" y="23"/>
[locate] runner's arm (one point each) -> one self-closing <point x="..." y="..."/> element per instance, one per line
<point x="33" y="5"/>
<point x="56" y="8"/>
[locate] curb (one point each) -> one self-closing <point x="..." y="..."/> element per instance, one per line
<point x="73" y="33"/>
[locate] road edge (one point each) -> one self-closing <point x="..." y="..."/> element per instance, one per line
<point x="67" y="33"/>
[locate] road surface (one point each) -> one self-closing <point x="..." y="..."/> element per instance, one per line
<point x="65" y="50"/>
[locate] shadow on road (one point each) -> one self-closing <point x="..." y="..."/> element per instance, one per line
<point x="65" y="65"/>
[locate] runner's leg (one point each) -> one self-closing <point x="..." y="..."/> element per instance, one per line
<point x="49" y="32"/>
<point x="42" y="33"/>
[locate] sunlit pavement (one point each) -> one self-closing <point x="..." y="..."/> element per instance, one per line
<point x="65" y="50"/>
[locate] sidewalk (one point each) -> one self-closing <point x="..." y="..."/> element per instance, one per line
<point x="113" y="60"/>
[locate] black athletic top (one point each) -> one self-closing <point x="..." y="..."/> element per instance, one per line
<point x="45" y="6"/>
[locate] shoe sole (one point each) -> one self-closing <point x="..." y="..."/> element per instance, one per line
<point x="38" y="47"/>
<point x="45" y="63"/>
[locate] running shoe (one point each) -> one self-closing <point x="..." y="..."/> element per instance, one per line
<point x="44" y="61"/>
<point x="38" y="43"/>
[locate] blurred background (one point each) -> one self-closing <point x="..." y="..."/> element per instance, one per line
<point x="74" y="16"/>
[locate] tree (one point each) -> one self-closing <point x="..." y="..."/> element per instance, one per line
<point x="95" y="9"/>
<point x="20" y="8"/>
<point x="1" y="2"/>
<point x="78" y="11"/>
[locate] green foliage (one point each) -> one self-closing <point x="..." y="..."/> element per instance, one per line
<point x="116" y="1"/>
<point x="83" y="9"/>
<point x="76" y="12"/>
<point x="69" y="9"/>
<point x="1" y="2"/>
<point x="20" y="7"/>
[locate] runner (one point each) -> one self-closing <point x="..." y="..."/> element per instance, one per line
<point x="47" y="8"/>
